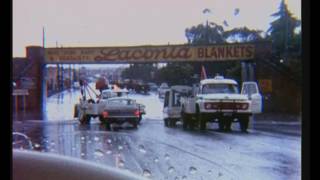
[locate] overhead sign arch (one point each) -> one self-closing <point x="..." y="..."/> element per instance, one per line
<point x="167" y="53"/>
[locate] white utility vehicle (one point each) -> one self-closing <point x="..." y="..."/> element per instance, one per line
<point x="219" y="100"/>
<point x="172" y="104"/>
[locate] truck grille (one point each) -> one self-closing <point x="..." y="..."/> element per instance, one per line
<point x="226" y="106"/>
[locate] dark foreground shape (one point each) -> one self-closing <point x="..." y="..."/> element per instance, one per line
<point x="31" y="165"/>
<point x="244" y="123"/>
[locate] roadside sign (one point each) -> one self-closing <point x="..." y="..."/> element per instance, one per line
<point x="28" y="83"/>
<point x="20" y="92"/>
<point x="265" y="85"/>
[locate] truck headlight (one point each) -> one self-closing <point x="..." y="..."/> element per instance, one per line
<point x="244" y="106"/>
<point x="208" y="105"/>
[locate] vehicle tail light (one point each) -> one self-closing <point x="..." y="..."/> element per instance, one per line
<point x="105" y="114"/>
<point x="137" y="113"/>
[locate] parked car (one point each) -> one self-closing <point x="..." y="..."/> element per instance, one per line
<point x="162" y="89"/>
<point x="120" y="110"/>
<point x="153" y="87"/>
<point x="76" y="85"/>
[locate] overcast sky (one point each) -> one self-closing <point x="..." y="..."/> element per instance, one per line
<point x="130" y="22"/>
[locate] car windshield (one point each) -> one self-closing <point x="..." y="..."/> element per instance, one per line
<point x="121" y="101"/>
<point x="220" y="88"/>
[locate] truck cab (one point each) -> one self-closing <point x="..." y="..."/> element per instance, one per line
<point x="219" y="100"/>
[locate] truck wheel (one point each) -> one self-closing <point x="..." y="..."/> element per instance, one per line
<point x="108" y="126"/>
<point x="228" y="123"/>
<point x="200" y="119"/>
<point x="191" y="124"/>
<point x="244" y="123"/>
<point x="166" y="122"/>
<point x="203" y="124"/>
<point x="135" y="124"/>
<point x="140" y="118"/>
<point x="221" y="124"/>
<point x="101" y="119"/>
<point x="82" y="117"/>
<point x="85" y="119"/>
<point x="91" y="101"/>
<point x="172" y="122"/>
<point x="75" y="111"/>
<point x="88" y="119"/>
<point x="184" y="120"/>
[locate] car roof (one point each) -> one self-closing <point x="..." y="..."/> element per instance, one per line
<point x="218" y="81"/>
<point x="115" y="90"/>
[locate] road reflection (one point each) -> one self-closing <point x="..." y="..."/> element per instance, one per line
<point x="121" y="149"/>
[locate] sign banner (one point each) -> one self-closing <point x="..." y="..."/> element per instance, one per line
<point x="222" y="52"/>
<point x="20" y="92"/>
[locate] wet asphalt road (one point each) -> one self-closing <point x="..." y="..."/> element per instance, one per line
<point x="158" y="152"/>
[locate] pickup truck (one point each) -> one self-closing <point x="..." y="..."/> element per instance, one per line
<point x="218" y="100"/>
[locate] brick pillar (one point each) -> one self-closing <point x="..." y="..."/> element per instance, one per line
<point x="37" y="96"/>
<point x="248" y="71"/>
<point x="244" y="71"/>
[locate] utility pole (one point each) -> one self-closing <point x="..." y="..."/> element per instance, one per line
<point x="43" y="37"/>
<point x="286" y="15"/>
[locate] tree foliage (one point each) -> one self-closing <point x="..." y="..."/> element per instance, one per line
<point x="211" y="33"/>
<point x="141" y="71"/>
<point x="281" y="33"/>
<point x="282" y="30"/>
<point x="243" y="34"/>
<point x="175" y="74"/>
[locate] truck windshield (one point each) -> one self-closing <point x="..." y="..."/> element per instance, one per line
<point x="220" y="88"/>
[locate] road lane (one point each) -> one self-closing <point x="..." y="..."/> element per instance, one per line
<point x="166" y="153"/>
<point x="213" y="154"/>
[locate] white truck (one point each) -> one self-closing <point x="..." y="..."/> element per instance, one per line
<point x="218" y="100"/>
